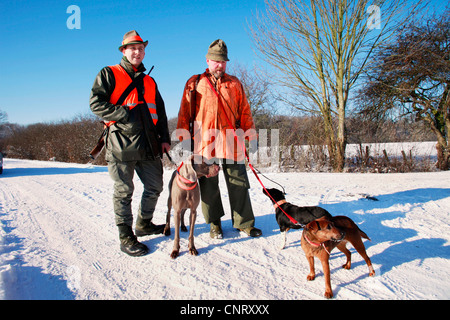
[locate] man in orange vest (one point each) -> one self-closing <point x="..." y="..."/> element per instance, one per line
<point x="129" y="102"/>
<point x="220" y="109"/>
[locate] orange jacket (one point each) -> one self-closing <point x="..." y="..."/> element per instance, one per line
<point x="213" y="137"/>
<point x="123" y="80"/>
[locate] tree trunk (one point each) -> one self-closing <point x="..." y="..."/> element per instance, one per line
<point x="442" y="157"/>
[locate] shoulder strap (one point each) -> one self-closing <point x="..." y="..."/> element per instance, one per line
<point x="193" y="109"/>
<point x="193" y="100"/>
<point x="130" y="88"/>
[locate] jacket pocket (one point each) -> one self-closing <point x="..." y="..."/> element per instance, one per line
<point x="132" y="125"/>
<point x="124" y="146"/>
<point x="237" y="175"/>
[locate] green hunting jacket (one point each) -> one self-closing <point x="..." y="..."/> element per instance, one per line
<point x="126" y="138"/>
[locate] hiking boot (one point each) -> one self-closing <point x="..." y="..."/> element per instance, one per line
<point x="216" y="230"/>
<point x="132" y="247"/>
<point x="252" y="232"/>
<point x="144" y="227"/>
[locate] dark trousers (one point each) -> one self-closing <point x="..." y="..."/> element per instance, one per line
<point x="237" y="184"/>
<point x="150" y="173"/>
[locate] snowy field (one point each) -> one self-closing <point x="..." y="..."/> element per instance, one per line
<point x="58" y="240"/>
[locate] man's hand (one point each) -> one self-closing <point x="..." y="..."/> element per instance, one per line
<point x="165" y="147"/>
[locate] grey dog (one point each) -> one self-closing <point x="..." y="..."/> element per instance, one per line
<point x="184" y="193"/>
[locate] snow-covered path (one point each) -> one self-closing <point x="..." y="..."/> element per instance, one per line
<point x="58" y="240"/>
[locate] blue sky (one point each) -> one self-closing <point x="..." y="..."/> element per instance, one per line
<point x="48" y="69"/>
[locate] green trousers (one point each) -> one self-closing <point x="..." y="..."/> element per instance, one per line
<point x="150" y="172"/>
<point x="237" y="184"/>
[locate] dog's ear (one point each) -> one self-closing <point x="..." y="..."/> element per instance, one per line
<point x="312" y="227"/>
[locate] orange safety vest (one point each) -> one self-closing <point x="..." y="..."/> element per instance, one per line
<point x="123" y="80"/>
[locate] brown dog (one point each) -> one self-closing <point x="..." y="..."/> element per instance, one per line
<point x="321" y="236"/>
<point x="184" y="193"/>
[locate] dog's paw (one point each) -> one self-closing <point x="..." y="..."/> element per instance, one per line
<point x="347" y="266"/>
<point x="328" y="294"/>
<point x="311" y="277"/>
<point x="193" y="251"/>
<point x="166" y="231"/>
<point x="175" y="254"/>
<point x="184" y="229"/>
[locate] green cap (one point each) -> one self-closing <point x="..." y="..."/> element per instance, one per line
<point x="217" y="51"/>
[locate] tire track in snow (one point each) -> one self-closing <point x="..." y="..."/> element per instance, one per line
<point x="61" y="222"/>
<point x="58" y="222"/>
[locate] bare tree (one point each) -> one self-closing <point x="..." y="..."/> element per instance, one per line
<point x="412" y="77"/>
<point x="67" y="141"/>
<point x="320" y="48"/>
<point x="3" y="117"/>
<point x="257" y="87"/>
<point x="4" y="128"/>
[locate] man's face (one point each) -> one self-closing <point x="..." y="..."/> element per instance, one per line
<point x="217" y="68"/>
<point x="135" y="53"/>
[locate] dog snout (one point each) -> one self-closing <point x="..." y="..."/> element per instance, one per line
<point x="341" y="237"/>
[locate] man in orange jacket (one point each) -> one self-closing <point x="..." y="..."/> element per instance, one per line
<point x="222" y="121"/>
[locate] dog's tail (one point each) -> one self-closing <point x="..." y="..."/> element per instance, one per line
<point x="363" y="234"/>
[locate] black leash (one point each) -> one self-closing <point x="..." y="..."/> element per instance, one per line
<point x="169" y="157"/>
<point x="259" y="172"/>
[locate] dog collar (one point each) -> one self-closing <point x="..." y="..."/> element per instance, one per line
<point x="182" y="180"/>
<point x="182" y="183"/>
<point x="316" y="244"/>
<point x="279" y="203"/>
<point x="312" y="243"/>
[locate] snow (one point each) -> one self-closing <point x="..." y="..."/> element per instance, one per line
<point x="58" y="240"/>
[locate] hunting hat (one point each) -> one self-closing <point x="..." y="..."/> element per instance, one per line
<point x="132" y="37"/>
<point x="217" y="51"/>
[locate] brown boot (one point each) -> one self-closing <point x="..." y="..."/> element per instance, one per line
<point x="216" y="230"/>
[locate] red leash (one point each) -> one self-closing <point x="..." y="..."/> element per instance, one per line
<point x="245" y="152"/>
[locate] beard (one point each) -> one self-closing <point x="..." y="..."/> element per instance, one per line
<point x="218" y="73"/>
